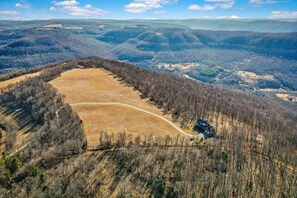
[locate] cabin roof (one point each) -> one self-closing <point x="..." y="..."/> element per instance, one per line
<point x="205" y="127"/>
<point x="203" y="124"/>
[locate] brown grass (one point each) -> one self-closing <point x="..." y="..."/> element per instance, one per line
<point x="2" y="140"/>
<point x="98" y="85"/>
<point x="251" y="77"/>
<point x="287" y="97"/>
<point x="24" y="134"/>
<point x="4" y="84"/>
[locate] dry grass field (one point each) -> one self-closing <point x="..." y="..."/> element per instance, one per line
<point x="4" y="84"/>
<point x="287" y="97"/>
<point x="250" y="77"/>
<point x="98" y="85"/>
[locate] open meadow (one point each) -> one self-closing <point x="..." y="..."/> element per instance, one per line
<point x="4" y="84"/>
<point x="104" y="103"/>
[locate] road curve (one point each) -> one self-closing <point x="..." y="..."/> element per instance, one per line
<point x="111" y="103"/>
<point x="136" y="108"/>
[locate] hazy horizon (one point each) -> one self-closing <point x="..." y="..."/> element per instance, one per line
<point x="156" y="19"/>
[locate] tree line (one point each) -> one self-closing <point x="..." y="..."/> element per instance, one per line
<point x="125" y="169"/>
<point x="235" y="165"/>
<point x="57" y="129"/>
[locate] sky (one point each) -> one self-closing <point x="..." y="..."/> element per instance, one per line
<point x="146" y="9"/>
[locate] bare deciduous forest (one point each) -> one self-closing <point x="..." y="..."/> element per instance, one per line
<point x="234" y="164"/>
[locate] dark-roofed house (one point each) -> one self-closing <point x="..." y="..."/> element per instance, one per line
<point x="205" y="128"/>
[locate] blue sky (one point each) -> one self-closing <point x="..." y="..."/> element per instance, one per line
<point x="146" y="9"/>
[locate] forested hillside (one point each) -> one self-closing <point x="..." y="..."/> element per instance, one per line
<point x="234" y="164"/>
<point x="264" y="25"/>
<point x="59" y="130"/>
<point x="158" y="46"/>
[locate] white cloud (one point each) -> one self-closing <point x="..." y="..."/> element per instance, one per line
<point x="8" y="12"/>
<point x="53" y="9"/>
<point x="137" y="7"/>
<point x="22" y="5"/>
<point x="72" y="8"/>
<point x="260" y="2"/>
<point x="228" y="17"/>
<point x="283" y="15"/>
<point x="213" y="4"/>
<point x="203" y="8"/>
<point x="140" y="6"/>
<point x="70" y="3"/>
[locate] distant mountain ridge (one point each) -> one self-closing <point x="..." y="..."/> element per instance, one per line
<point x="214" y="56"/>
<point x="254" y="25"/>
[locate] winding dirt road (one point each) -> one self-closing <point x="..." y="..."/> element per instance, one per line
<point x="111" y="103"/>
<point x="136" y="108"/>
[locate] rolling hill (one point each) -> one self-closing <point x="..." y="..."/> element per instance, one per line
<point x="252" y="25"/>
<point x="95" y="94"/>
<point x="157" y="45"/>
<point x="59" y="160"/>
